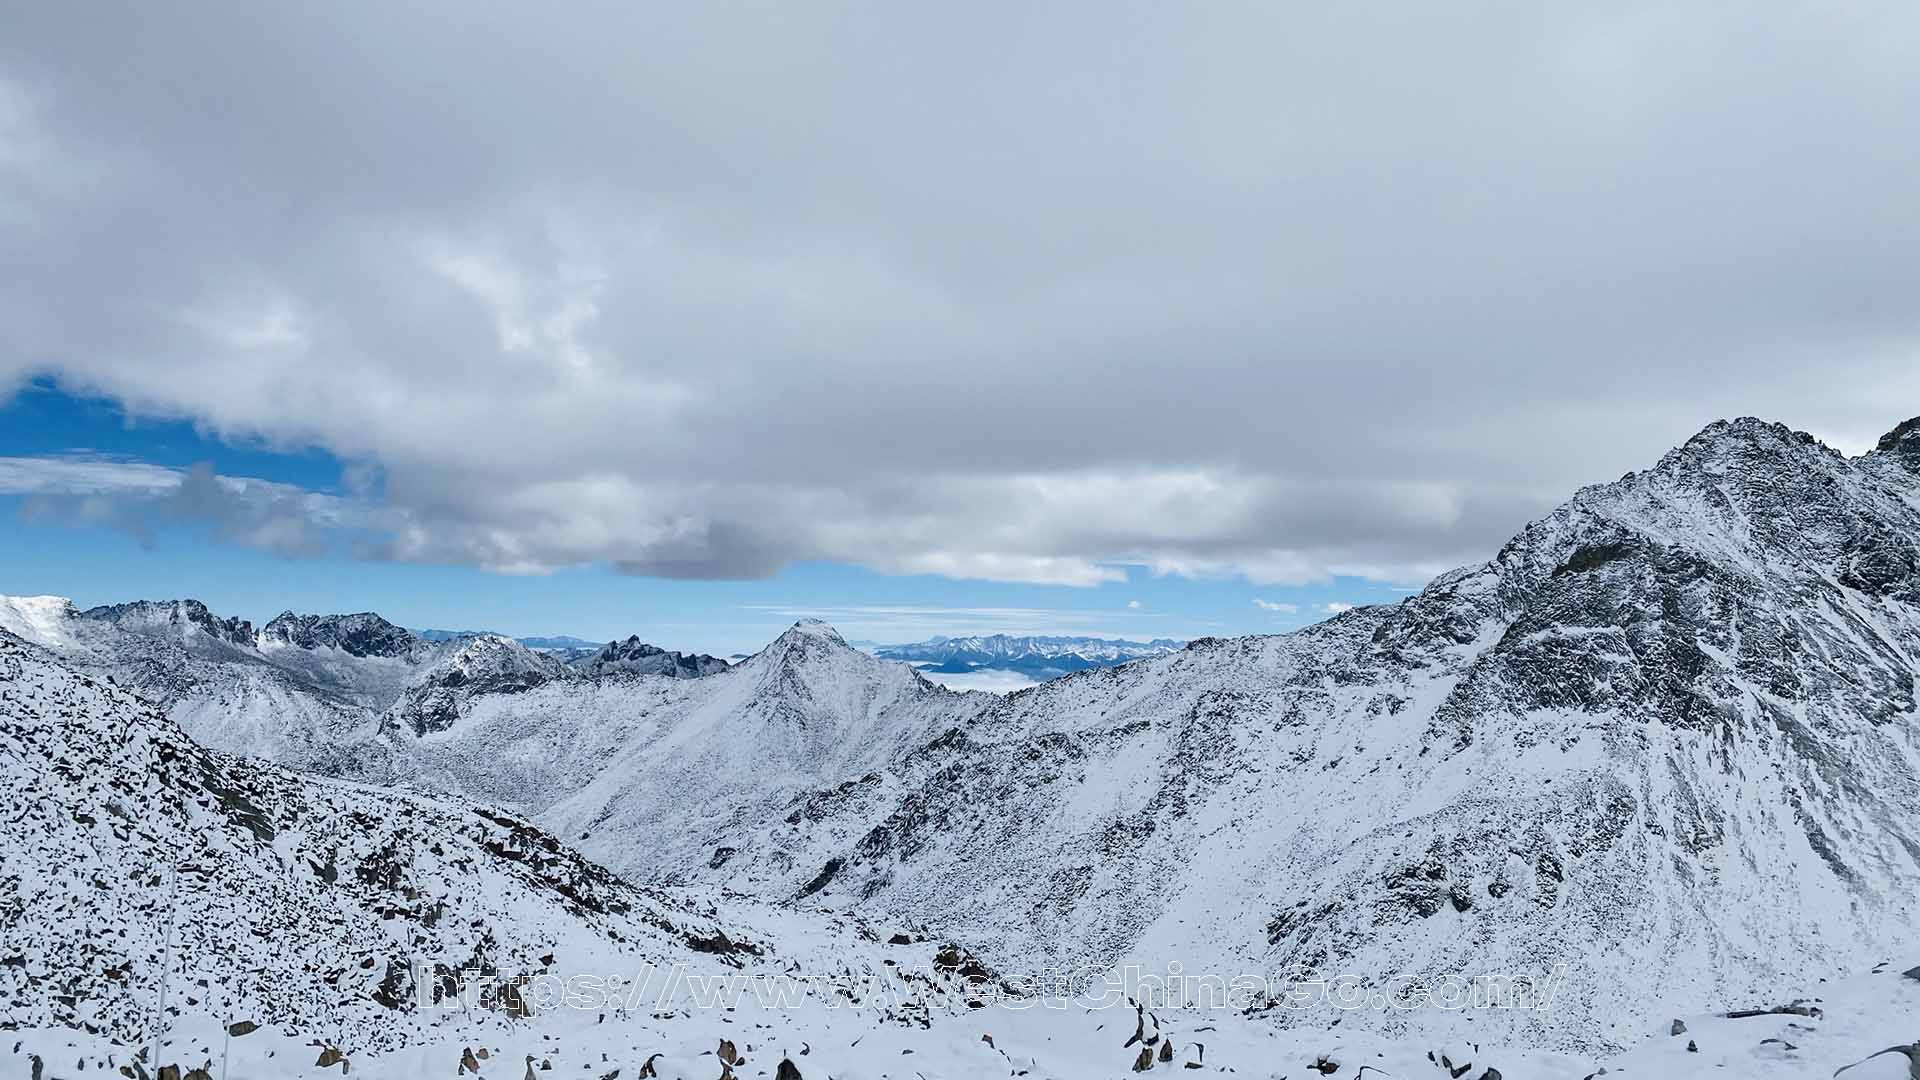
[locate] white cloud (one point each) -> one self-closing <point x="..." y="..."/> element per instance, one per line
<point x="688" y="325"/>
<point x="1278" y="607"/>
<point x="83" y="473"/>
<point x="1336" y="607"/>
<point x="1133" y="605"/>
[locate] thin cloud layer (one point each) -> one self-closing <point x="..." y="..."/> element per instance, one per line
<point x="700" y="290"/>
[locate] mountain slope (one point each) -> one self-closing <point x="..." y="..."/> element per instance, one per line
<point x="301" y="902"/>
<point x="1669" y="728"/>
<point x="644" y="772"/>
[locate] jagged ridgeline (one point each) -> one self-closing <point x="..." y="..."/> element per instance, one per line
<point x="1665" y="736"/>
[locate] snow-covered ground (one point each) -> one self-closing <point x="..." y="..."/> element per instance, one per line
<point x="680" y="1034"/>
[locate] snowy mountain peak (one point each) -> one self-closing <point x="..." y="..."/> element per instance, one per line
<point x="814" y="628"/>
<point x="809" y="645"/>
<point x="37" y="619"/>
<point x="487" y="664"/>
<point x="1727" y="444"/>
<point x="636" y="657"/>
<point x="172" y="617"/>
<point x="362" y="634"/>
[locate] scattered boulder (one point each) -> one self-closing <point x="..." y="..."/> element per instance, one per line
<point x="244" y="1027"/>
<point x="1679" y="1028"/>
<point x="787" y="1070"/>
<point x="1144" y="1061"/>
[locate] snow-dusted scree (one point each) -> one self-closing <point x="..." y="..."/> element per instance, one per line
<point x="1663" y="743"/>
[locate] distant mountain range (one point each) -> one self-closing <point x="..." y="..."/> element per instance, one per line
<point x="329" y="693"/>
<point x="1037" y="657"/>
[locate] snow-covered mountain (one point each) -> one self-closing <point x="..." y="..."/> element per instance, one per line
<point x="327" y="927"/>
<point x="290" y="926"/>
<point x="1037" y="657"/>
<point x="297" y="901"/>
<point x="636" y="657"/>
<point x="610" y="764"/>
<point x="1666" y="736"/>
<point x="1669" y="728"/>
<point x="339" y="694"/>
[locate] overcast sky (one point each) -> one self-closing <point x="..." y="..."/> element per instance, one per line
<point x="1271" y="293"/>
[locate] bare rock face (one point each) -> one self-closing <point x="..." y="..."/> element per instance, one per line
<point x="362" y="635"/>
<point x="1903" y="440"/>
<point x="172" y="617"/>
<point x="636" y="657"/>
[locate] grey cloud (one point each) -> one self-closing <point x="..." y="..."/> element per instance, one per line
<point x="141" y="499"/>
<point x="1007" y="292"/>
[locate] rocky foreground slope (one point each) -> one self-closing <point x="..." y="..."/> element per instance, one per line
<point x="131" y="851"/>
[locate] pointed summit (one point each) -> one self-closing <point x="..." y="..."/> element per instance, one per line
<point x="815" y="628"/>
